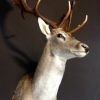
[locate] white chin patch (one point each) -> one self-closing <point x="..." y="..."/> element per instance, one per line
<point x="80" y="54"/>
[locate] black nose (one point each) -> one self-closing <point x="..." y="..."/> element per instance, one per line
<point x="86" y="48"/>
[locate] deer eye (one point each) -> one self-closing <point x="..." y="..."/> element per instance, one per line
<point x="60" y="36"/>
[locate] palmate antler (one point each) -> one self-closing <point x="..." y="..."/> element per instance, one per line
<point x="64" y="23"/>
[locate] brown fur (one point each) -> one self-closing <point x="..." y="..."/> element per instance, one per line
<point x="23" y="88"/>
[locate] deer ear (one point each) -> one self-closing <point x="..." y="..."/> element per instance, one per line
<point x="44" y="27"/>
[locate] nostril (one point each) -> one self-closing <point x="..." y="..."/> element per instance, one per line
<point x="83" y="46"/>
<point x="87" y="50"/>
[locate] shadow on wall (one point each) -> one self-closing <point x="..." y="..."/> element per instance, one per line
<point x="28" y="63"/>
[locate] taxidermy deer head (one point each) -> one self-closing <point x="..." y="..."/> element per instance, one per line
<point x="61" y="46"/>
<point x="60" y="36"/>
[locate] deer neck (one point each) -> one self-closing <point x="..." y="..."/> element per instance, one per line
<point x="48" y="76"/>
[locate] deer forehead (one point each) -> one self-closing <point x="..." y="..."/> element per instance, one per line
<point x="61" y="31"/>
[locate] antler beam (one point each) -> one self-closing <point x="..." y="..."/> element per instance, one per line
<point x="62" y="23"/>
<point x="79" y="26"/>
<point x="50" y="22"/>
<point x="35" y="10"/>
<point x="65" y="22"/>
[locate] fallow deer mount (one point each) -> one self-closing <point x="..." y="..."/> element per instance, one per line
<point x="60" y="47"/>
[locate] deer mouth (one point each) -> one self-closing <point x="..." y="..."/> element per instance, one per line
<point x="80" y="53"/>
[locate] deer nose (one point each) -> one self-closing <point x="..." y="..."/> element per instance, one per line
<point x="85" y="47"/>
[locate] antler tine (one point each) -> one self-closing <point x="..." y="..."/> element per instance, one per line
<point x="51" y="23"/>
<point x="33" y="10"/>
<point x="70" y="17"/>
<point x="79" y="26"/>
<point x="23" y="5"/>
<point x="66" y="16"/>
<point x="26" y="7"/>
